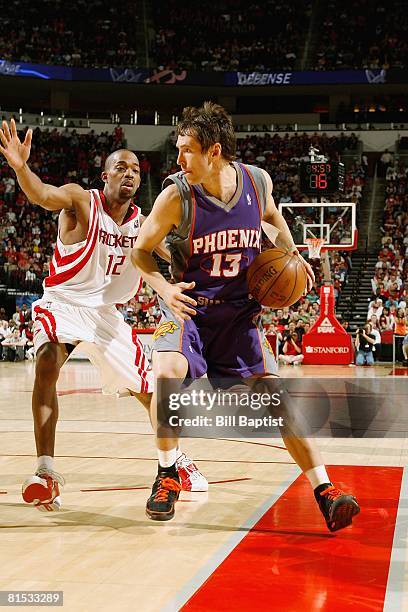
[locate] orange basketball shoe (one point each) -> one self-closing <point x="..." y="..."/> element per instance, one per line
<point x="190" y="476"/>
<point x="165" y="492"/>
<point x="337" y="507"/>
<point x="43" y="490"/>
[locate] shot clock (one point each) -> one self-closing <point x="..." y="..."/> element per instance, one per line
<point x="321" y="178"/>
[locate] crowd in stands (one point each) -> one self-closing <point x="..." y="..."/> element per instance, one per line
<point x="388" y="312"/>
<point x="290" y="324"/>
<point x="230" y="35"/>
<point x="16" y="335"/>
<point x="364" y="34"/>
<point x="143" y="311"/>
<point x="85" y="33"/>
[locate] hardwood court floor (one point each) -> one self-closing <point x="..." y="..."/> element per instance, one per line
<point x="255" y="541"/>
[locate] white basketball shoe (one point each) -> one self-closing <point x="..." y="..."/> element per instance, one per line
<point x="191" y="478"/>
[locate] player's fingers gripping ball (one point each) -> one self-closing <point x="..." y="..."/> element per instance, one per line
<point x="277" y="278"/>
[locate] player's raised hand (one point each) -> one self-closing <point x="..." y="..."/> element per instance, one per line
<point x="15" y="151"/>
<point x="180" y="303"/>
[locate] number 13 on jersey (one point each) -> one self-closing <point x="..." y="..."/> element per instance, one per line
<point x="225" y="264"/>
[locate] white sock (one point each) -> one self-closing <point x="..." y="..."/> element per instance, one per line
<point x="179" y="453"/>
<point x="167" y="458"/>
<point x="317" y="476"/>
<point x="45" y="461"/>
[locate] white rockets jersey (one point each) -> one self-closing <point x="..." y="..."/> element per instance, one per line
<point x="97" y="271"/>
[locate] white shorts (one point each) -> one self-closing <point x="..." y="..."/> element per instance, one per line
<point x="102" y="334"/>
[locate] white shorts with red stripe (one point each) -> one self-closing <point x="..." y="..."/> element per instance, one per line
<point x="102" y="334"/>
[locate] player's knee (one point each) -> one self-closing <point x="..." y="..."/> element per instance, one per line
<point x="170" y="365"/>
<point x="47" y="363"/>
<point x="173" y="371"/>
<point x="170" y="369"/>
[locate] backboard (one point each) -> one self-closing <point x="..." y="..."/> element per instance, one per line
<point x="335" y="222"/>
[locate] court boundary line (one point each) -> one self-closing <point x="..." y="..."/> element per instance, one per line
<point x="109" y="489"/>
<point x="188" y="590"/>
<point x="394" y="592"/>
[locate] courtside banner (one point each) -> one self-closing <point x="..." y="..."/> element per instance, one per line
<point x="307" y="77"/>
<point x="142" y="76"/>
<point x="127" y="74"/>
<point x="274" y="407"/>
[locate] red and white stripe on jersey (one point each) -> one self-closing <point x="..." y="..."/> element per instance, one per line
<point x="140" y="363"/>
<point x="47" y="320"/>
<point x="61" y="268"/>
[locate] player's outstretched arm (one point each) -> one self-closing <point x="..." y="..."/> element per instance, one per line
<point x="165" y="216"/>
<point x="17" y="153"/>
<point x="277" y="230"/>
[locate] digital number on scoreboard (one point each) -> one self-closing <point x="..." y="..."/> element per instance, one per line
<point x="320" y="178"/>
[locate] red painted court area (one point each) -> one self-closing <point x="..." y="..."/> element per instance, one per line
<point x="289" y="561"/>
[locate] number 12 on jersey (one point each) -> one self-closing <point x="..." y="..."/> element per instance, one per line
<point x="232" y="260"/>
<point x="114" y="263"/>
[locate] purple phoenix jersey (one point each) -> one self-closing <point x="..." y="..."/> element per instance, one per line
<point x="213" y="246"/>
<point x="218" y="241"/>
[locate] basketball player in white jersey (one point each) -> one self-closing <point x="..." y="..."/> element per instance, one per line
<point x="90" y="273"/>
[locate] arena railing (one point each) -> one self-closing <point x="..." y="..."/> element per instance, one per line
<point x="156" y="118"/>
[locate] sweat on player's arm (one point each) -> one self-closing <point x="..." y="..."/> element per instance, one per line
<point x="70" y="196"/>
<point x="164" y="217"/>
<point x="275" y="227"/>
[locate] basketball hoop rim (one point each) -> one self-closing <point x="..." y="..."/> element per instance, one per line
<point x="315" y="241"/>
<point x="335" y="247"/>
<point x="315" y="247"/>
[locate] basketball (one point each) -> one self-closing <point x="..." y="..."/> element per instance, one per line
<point x="276" y="278"/>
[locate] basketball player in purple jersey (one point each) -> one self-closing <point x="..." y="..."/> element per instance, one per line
<point x="212" y="213"/>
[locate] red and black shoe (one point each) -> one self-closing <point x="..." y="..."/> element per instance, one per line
<point x="165" y="492"/>
<point x="337" y="507"/>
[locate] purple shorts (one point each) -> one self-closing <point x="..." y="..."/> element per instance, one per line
<point x="226" y="340"/>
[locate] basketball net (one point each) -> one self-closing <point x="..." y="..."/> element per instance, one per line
<point x="314" y="246"/>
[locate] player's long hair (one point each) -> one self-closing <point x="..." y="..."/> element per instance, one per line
<point x="209" y="124"/>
